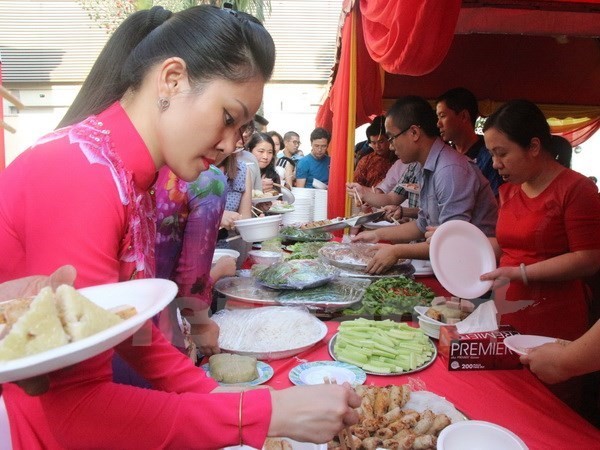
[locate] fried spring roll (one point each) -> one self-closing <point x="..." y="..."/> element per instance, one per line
<point x="425" y="442"/>
<point x="424" y="423"/>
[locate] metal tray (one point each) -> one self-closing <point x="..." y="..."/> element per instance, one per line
<point x="248" y="290"/>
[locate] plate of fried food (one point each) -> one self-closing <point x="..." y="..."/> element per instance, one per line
<point x="398" y="417"/>
<point x="56" y="329"/>
<point x="262" y="197"/>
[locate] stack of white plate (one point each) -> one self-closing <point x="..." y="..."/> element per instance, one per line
<point x="303" y="207"/>
<point x="320" y="205"/>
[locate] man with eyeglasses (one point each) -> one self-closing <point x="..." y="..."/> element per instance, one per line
<point x="452" y="186"/>
<point x="315" y="166"/>
<point x="372" y="168"/>
<point x="291" y="147"/>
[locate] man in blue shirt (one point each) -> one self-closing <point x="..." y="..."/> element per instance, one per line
<point x="316" y="164"/>
<point x="452" y="187"/>
<point x="457" y="111"/>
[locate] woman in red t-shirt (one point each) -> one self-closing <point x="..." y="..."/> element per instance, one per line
<point x="547" y="232"/>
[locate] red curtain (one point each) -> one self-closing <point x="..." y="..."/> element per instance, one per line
<point x="400" y="36"/>
<point x="580" y="134"/>
<point x="406" y="36"/>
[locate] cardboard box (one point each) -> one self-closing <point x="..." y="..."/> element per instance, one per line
<point x="478" y="351"/>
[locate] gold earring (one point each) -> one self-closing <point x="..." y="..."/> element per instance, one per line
<point x="163" y="104"/>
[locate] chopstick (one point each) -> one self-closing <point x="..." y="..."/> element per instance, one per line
<point x="233" y="238"/>
<point x="345" y="432"/>
<point x="360" y="202"/>
<point x="256" y="211"/>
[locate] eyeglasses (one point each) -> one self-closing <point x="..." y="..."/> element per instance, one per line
<point x="392" y="138"/>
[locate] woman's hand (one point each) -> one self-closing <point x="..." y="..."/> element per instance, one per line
<point x="206" y="337"/>
<point x="384" y="259"/>
<point x="429" y="232"/>
<point x="228" y="219"/>
<point x="267" y="185"/>
<point x="29" y="286"/>
<point x="369" y="237"/>
<point x="546" y="361"/>
<point x="313" y="413"/>
<point x="502" y="275"/>
<point x="224" y="267"/>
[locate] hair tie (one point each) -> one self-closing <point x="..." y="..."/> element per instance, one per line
<point x="158" y="15"/>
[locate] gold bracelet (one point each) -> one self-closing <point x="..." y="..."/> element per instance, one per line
<point x="240" y="418"/>
<point x="524" y="274"/>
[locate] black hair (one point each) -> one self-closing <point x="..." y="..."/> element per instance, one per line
<point x="320" y="133"/>
<point x="290" y="135"/>
<point x="563" y="150"/>
<point x="459" y="99"/>
<point x="273" y="134"/>
<point x="414" y="110"/>
<point x="377" y="127"/>
<point x="214" y="43"/>
<point x="269" y="171"/>
<point x="521" y="120"/>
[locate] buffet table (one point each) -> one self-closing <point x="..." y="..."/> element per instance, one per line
<point x="515" y="399"/>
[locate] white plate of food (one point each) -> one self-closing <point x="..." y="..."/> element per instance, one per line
<point x="460" y="253"/>
<point x="323" y="372"/>
<point x="400" y="401"/>
<point x="147" y="296"/>
<point x="380" y="224"/>
<point x="269" y="198"/>
<point x="282" y="444"/>
<point x="268" y="333"/>
<point x="522" y="343"/>
<point x="265" y="373"/>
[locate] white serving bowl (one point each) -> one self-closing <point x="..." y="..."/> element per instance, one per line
<point x="258" y="229"/>
<point x="318" y="184"/>
<point x="477" y="434"/>
<point x="265" y="257"/>
<point x="220" y="252"/>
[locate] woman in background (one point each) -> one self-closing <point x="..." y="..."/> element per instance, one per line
<point x="548" y="219"/>
<point x="262" y="147"/>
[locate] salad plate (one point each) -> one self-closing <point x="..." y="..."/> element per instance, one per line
<point x="318" y="372"/>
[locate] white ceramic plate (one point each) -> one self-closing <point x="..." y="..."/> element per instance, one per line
<point x="478" y="434"/>
<point x="265" y="372"/>
<point x="377" y="225"/>
<point x="275" y="210"/>
<point x="315" y="373"/>
<point x="148" y="296"/>
<point x="422" y="267"/>
<point x="460" y="253"/>
<point x="265" y="199"/>
<point x="522" y="343"/>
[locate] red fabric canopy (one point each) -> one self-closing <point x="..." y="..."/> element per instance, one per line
<point x="422" y="50"/>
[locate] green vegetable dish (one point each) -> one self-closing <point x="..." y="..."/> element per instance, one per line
<point x="382" y="347"/>
<point x="389" y="296"/>
<point x="290" y="233"/>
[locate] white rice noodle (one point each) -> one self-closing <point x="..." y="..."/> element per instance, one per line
<point x="267" y="329"/>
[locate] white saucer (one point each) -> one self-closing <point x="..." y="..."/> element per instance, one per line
<point x="522" y="343"/>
